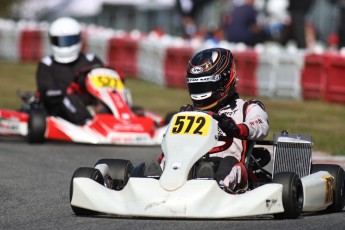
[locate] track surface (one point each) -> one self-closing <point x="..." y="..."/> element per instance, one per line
<point x="34" y="192"/>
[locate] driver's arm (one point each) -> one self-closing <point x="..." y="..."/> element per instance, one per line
<point x="51" y="95"/>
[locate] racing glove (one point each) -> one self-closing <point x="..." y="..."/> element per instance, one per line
<point x="230" y="128"/>
<point x="187" y="107"/>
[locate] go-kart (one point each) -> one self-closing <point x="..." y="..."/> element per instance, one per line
<point x="186" y="187"/>
<point x="115" y="120"/>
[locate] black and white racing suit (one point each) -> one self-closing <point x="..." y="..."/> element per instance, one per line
<point x="252" y="119"/>
<point x="54" y="81"/>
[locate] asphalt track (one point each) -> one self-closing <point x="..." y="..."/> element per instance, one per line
<point x="34" y="192"/>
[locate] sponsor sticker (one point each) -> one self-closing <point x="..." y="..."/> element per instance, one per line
<point x="9" y="124"/>
<point x="212" y="78"/>
<point x="329" y="181"/>
<point x="196" y="70"/>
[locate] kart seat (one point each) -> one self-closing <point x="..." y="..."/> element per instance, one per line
<point x="256" y="157"/>
<point x="260" y="157"/>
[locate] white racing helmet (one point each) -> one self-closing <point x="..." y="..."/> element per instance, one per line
<point x="65" y="39"/>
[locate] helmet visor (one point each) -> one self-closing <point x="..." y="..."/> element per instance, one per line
<point x="65" y="41"/>
<point x="203" y="84"/>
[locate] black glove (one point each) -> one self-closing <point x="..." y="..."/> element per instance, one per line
<point x="227" y="125"/>
<point x="80" y="76"/>
<point x="187" y="107"/>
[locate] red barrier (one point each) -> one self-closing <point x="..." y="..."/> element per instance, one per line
<point x="246" y="65"/>
<point x="84" y="35"/>
<point x="175" y="65"/>
<point x="335" y="84"/>
<point x="130" y="61"/>
<point x="122" y="55"/>
<point x="31" y="45"/>
<point x="313" y="79"/>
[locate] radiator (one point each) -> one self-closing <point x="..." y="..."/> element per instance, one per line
<point x="292" y="153"/>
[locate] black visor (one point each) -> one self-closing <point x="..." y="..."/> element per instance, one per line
<point x="65" y="41"/>
<point x="199" y="88"/>
<point x="198" y="85"/>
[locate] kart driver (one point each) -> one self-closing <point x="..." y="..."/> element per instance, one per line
<point x="59" y="89"/>
<point x="212" y="83"/>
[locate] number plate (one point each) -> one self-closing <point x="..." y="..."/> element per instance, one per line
<point x="190" y="124"/>
<point x="106" y="82"/>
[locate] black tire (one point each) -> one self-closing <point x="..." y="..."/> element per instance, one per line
<point x="119" y="172"/>
<point x="292" y="195"/>
<point x="85" y="172"/>
<point x="339" y="184"/>
<point x="37" y="126"/>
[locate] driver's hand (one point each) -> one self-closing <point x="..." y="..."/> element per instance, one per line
<point x="230" y="128"/>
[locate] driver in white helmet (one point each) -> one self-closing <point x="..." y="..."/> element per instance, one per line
<point x="56" y="75"/>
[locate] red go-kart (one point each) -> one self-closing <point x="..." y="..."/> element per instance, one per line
<point x="117" y="123"/>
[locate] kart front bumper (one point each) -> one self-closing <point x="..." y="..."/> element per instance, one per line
<point x="196" y="199"/>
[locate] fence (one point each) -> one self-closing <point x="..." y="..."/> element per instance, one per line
<point x="162" y="59"/>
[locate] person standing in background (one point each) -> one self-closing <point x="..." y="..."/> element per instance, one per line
<point x="342" y="24"/>
<point x="187" y="11"/>
<point x="298" y="10"/>
<point x="242" y="25"/>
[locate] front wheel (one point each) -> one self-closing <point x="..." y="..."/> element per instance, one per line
<point x="85" y="172"/>
<point x="339" y="184"/>
<point x="117" y="172"/>
<point x="292" y="195"/>
<point x="36" y="126"/>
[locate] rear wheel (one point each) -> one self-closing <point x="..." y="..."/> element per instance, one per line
<point x="117" y="173"/>
<point x="36" y="126"/>
<point x="85" y="172"/>
<point x="339" y="184"/>
<point x="292" y="195"/>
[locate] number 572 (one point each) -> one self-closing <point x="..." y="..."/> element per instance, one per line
<point x="197" y="125"/>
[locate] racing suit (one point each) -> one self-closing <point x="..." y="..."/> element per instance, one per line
<point x="251" y="122"/>
<point x="60" y="90"/>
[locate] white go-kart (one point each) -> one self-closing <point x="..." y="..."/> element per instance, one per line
<point x="186" y="187"/>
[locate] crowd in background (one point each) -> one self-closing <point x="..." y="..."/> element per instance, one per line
<point x="306" y="23"/>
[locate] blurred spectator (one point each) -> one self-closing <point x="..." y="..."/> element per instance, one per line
<point x="342" y="23"/>
<point x="298" y="10"/>
<point x="242" y="25"/>
<point x="209" y="20"/>
<point x="188" y="10"/>
<point x="277" y="19"/>
<point x="324" y="16"/>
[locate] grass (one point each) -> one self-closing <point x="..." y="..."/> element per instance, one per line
<point x="15" y="76"/>
<point x="323" y="121"/>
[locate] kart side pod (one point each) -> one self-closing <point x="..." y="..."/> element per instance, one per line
<point x="318" y="191"/>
